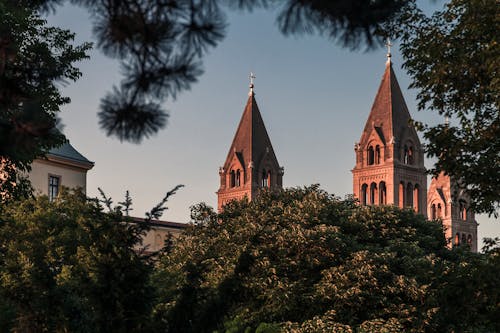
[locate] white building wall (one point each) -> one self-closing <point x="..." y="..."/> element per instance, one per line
<point x="70" y="176"/>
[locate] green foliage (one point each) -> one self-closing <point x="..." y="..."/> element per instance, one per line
<point x="293" y="261"/>
<point x="468" y="291"/>
<point x="304" y="258"/>
<point x="66" y="266"/>
<point x="267" y="328"/>
<point x="34" y="60"/>
<point x="453" y="59"/>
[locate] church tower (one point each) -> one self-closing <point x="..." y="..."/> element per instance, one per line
<point x="448" y="202"/>
<point x="251" y="164"/>
<point x="389" y="157"/>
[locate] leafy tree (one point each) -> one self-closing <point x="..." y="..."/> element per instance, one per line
<point x="34" y="59"/>
<point x="67" y="266"/>
<point x="301" y="259"/>
<point x="453" y="58"/>
<point x="468" y="295"/>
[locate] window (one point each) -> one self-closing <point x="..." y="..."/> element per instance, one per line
<point x="409" y="195"/>
<point x="457" y="239"/>
<point x="469" y="240"/>
<point x="440" y="211"/>
<point x="463" y="210"/>
<point x="233" y="178"/>
<point x="377" y="154"/>
<point x="416" y="198"/>
<point x="383" y="193"/>
<point x="433" y="212"/>
<point x="373" y="194"/>
<point x="464" y="239"/>
<point x="371" y="156"/>
<point x="238" y="178"/>
<point x="401" y="195"/>
<point x="408" y="155"/>
<point x="266" y="178"/>
<point x="158" y="242"/>
<point x="363" y="194"/>
<point x="54" y="183"/>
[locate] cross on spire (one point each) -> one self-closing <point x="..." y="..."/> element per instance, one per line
<point x="388" y="44"/>
<point x="251" y="76"/>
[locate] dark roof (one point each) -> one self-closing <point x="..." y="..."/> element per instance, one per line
<point x="251" y="141"/>
<point x="159" y="223"/>
<point x="67" y="151"/>
<point x="389" y="114"/>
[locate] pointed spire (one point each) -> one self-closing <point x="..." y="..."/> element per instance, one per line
<point x="389" y="115"/>
<point x="250" y="156"/>
<point x="252" y="76"/>
<point x="388" y="44"/>
<point x="251" y="140"/>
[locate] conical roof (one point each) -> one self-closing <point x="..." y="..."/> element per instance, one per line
<point x="251" y="141"/>
<point x="389" y="115"/>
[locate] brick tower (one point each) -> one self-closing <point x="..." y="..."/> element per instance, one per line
<point x="251" y="163"/>
<point x="448" y="202"/>
<point x="389" y="157"/>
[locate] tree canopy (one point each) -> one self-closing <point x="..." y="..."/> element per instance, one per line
<point x="453" y="58"/>
<point x="34" y="60"/>
<point x="67" y="266"/>
<point x="298" y="260"/>
<point x="302" y="260"/>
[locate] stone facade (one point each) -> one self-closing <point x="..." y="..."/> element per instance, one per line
<point x="389" y="166"/>
<point x="251" y="164"/>
<point x="448" y="202"/>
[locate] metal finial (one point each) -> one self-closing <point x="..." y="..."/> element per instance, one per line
<point x="252" y="76"/>
<point x="388" y="44"/>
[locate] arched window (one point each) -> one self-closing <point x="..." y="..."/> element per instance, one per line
<point x="408" y="155"/>
<point x="377" y="154"/>
<point x="238" y="178"/>
<point x="464" y="239"/>
<point x="463" y="210"/>
<point x="233" y="178"/>
<point x="409" y="195"/>
<point x="469" y="240"/>
<point x="457" y="239"/>
<point x="373" y="193"/>
<point x="364" y="189"/>
<point x="416" y="198"/>
<point x="158" y="242"/>
<point x="266" y="178"/>
<point x="383" y="193"/>
<point x="371" y="155"/>
<point x="433" y="212"/>
<point x="401" y="195"/>
<point x="439" y="211"/>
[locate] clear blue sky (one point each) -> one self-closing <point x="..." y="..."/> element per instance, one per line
<point x="314" y="97"/>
